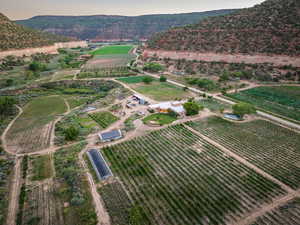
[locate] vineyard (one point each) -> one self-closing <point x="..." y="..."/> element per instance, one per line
<point x="288" y="214"/>
<point x="42" y="206"/>
<point x="32" y="130"/>
<point x="176" y="177"/>
<point x="117" y="203"/>
<point x="272" y="148"/>
<point x="6" y="167"/>
<point x="104" y="119"/>
<point x="283" y="100"/>
<point x="121" y="71"/>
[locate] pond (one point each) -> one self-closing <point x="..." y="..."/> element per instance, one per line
<point x="232" y="116"/>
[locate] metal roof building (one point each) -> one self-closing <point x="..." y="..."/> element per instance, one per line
<point x="100" y="166"/>
<point x="111" y="135"/>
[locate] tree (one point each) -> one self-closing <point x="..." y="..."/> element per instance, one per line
<point x="192" y="108"/>
<point x="36" y="66"/>
<point x="71" y="133"/>
<point x="147" y="79"/>
<point x="172" y="113"/>
<point x="162" y="78"/>
<point x="241" y="109"/>
<point x="153" y="67"/>
<point x="7" y="106"/>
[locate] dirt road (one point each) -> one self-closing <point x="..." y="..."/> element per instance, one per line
<point x="14" y="194"/>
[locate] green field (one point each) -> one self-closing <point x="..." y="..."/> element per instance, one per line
<point x="176" y="177"/>
<point x="161" y="91"/>
<point x="132" y="79"/>
<point x="214" y="105"/>
<point x="31" y="131"/>
<point x="272" y="148"/>
<point x="104" y="119"/>
<point x="42" y="167"/>
<point x="159" y="118"/>
<point x="113" y="49"/>
<point x="282" y="100"/>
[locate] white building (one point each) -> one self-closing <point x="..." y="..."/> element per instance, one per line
<point x="164" y="107"/>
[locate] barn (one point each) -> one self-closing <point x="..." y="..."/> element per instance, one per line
<point x="110" y="136"/>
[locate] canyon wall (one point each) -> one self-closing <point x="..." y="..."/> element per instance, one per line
<point x="276" y="60"/>
<point x="47" y="49"/>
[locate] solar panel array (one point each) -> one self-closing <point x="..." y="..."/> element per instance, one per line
<point x="101" y="168"/>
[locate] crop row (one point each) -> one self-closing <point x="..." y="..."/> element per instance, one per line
<point x="272" y="148"/>
<point x="104" y="119"/>
<point x="288" y="214"/>
<point x="116" y="202"/>
<point x="179" y="178"/>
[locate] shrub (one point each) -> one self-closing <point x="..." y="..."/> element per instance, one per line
<point x="162" y="79"/>
<point x="71" y="133"/>
<point x="192" y="108"/>
<point x="147" y="80"/>
<point x="153" y="67"/>
<point x="242" y="109"/>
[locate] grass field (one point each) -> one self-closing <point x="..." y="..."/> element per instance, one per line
<point x="41" y="167"/>
<point x="282" y="100"/>
<point x="161" y="91"/>
<point x="132" y="79"/>
<point x="175" y="177"/>
<point x="31" y="131"/>
<point x="272" y="148"/>
<point x="214" y="105"/>
<point x="104" y="119"/>
<point x="159" y="118"/>
<point x="113" y="49"/>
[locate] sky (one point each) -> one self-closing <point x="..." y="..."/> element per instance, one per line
<point x="23" y="9"/>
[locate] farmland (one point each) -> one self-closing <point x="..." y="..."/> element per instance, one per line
<point x="159" y="91"/>
<point x="41" y="167"/>
<point x="176" y="177"/>
<point x="132" y="79"/>
<point x="104" y="119"/>
<point x="113" y="49"/>
<point x="96" y="72"/>
<point x="31" y="131"/>
<point x="281" y="100"/>
<point x="270" y="147"/>
<point x="159" y="118"/>
<point x="73" y="188"/>
<point x="116" y="202"/>
<point x="6" y="167"/>
<point x="287" y="214"/>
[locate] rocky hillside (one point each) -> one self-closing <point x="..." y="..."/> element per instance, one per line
<point x="115" y="27"/>
<point x="15" y="36"/>
<point x="272" y="27"/>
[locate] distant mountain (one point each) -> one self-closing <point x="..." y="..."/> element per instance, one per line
<point x="272" y="27"/>
<point x="13" y="36"/>
<point x="115" y="27"/>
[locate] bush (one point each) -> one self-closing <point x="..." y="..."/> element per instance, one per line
<point x="147" y="80"/>
<point x="162" y="79"/>
<point x="71" y="133"/>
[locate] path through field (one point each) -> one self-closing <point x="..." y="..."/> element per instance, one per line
<point x="14" y="194"/>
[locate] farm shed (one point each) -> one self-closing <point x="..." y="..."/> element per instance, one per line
<point x="111" y="135"/>
<point x="140" y="99"/>
<point x="100" y="166"/>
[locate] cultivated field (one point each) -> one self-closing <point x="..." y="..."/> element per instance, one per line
<point x="42" y="205"/>
<point x="94" y="71"/>
<point x="159" y="91"/>
<point x="282" y="100"/>
<point x="117" y="203"/>
<point x="274" y="149"/>
<point x="288" y="214"/>
<point x="113" y="50"/>
<point x="32" y="130"/>
<point x="176" y="177"/>
<point x="104" y="119"/>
